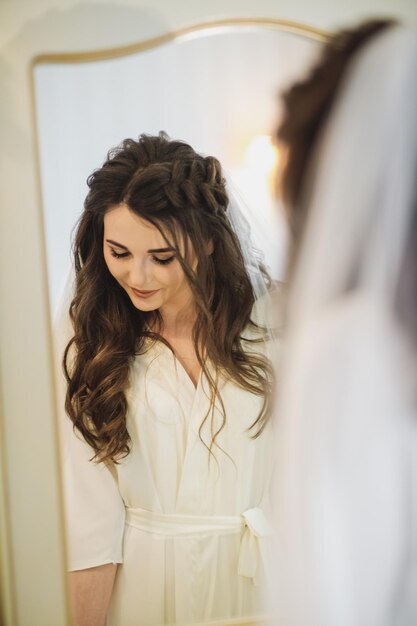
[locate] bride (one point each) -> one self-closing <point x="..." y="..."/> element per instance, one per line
<point x="166" y="442"/>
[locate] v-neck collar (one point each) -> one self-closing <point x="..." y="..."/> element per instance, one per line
<point x="178" y="363"/>
<point x="160" y="346"/>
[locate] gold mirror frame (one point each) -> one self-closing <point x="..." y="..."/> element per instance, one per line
<point x="287" y="26"/>
<point x="32" y="574"/>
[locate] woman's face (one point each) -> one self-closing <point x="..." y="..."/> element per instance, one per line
<point x="143" y="264"/>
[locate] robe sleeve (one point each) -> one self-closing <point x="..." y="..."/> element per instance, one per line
<point x="94" y="508"/>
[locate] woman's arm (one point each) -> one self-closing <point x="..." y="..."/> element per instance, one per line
<point x="90" y="593"/>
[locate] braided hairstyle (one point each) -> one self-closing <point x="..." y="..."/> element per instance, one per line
<point x="307" y="105"/>
<point x="183" y="195"/>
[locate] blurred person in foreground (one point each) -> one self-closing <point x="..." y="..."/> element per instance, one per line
<point x="346" y="479"/>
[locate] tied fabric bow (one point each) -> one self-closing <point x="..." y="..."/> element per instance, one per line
<point x="252" y="557"/>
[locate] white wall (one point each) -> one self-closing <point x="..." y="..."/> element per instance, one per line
<point x="328" y="14"/>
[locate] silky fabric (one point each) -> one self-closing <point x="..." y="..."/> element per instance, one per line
<point x="188" y="528"/>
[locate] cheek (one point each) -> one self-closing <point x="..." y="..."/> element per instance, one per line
<point x="163" y="276"/>
<point x="168" y="275"/>
<point x="178" y="278"/>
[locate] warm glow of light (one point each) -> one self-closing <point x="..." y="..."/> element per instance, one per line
<point x="262" y="160"/>
<point x="261" y="155"/>
<point x="256" y="180"/>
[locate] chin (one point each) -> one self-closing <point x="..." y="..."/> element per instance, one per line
<point x="145" y="306"/>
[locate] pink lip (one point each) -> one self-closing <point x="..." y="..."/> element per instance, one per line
<point x="144" y="294"/>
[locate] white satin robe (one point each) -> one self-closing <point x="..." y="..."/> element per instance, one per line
<point x="190" y="533"/>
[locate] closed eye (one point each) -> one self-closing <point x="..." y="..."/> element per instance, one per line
<point x="124" y="255"/>
<point x="119" y="255"/>
<point x="163" y="261"/>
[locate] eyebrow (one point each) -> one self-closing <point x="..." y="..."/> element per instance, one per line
<point x="153" y="250"/>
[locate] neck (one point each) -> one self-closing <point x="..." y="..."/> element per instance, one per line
<point x="178" y="323"/>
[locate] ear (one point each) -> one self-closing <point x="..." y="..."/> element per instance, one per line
<point x="209" y="247"/>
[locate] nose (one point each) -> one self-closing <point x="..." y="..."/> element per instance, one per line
<point x="139" y="275"/>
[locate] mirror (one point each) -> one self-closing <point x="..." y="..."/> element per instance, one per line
<point x="216" y="88"/>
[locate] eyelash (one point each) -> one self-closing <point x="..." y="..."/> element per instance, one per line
<point x="124" y="255"/>
<point x="163" y="261"/>
<point x="119" y="255"/>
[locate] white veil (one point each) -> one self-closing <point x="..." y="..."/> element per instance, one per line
<point x="347" y="422"/>
<point x="253" y="257"/>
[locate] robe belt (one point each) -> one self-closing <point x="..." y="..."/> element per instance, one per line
<point x="252" y="522"/>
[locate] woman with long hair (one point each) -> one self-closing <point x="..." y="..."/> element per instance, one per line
<point x="167" y="450"/>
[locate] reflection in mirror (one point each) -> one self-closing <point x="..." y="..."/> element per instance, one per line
<point x="218" y="91"/>
<point x="192" y="490"/>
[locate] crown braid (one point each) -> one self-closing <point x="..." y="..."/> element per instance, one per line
<point x="198" y="183"/>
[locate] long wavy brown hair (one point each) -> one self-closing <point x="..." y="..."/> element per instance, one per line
<point x="182" y="194"/>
